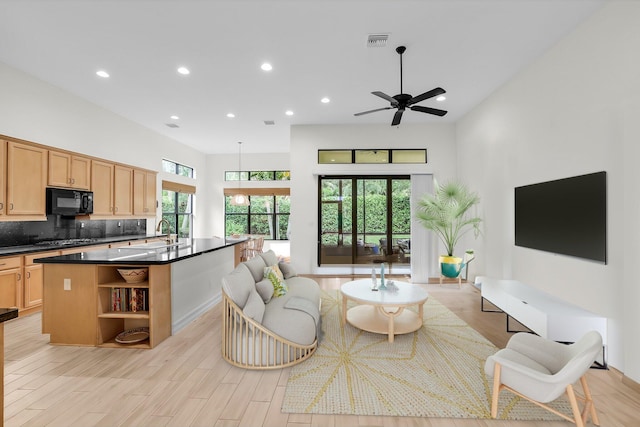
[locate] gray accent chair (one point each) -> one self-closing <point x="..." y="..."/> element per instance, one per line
<point x="540" y="371"/>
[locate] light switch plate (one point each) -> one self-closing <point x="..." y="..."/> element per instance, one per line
<point x="67" y="284"/>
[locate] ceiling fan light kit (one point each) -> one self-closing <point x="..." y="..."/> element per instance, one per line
<point x="403" y="101"/>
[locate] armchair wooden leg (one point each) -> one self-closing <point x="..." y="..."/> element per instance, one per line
<point x="589" y="407"/>
<point x="577" y="415"/>
<point x="496" y="390"/>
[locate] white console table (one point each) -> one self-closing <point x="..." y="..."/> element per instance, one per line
<point x="543" y="314"/>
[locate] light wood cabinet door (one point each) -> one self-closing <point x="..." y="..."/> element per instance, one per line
<point x="10" y="281"/>
<point x="123" y="190"/>
<point x="26" y="179"/>
<point x="144" y="193"/>
<point x="3" y="173"/>
<point x="67" y="170"/>
<point x="59" y="169"/>
<point x="102" y="187"/>
<point x="80" y="172"/>
<point x="33" y="279"/>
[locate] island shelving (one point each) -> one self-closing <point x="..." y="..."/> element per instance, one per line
<point x="182" y="283"/>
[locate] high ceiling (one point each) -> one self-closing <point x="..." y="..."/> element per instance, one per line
<point x="318" y="48"/>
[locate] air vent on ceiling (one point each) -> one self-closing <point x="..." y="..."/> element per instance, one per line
<point x="377" y="40"/>
<point x="269" y="122"/>
<point x="172" y="125"/>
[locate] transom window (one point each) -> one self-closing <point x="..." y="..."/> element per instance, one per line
<point x="178" y="169"/>
<point x="395" y="156"/>
<point x="257" y="176"/>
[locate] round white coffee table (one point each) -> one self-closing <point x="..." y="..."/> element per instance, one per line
<point x="383" y="311"/>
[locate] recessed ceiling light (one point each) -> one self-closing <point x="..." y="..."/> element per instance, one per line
<point x="175" y="118"/>
<point x="184" y="71"/>
<point x="441" y="98"/>
<point x="266" y="67"/>
<point x="325" y="100"/>
<point x="231" y="115"/>
<point x="102" y="73"/>
<point x="289" y="113"/>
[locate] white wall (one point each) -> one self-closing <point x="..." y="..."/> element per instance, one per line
<point x="39" y="112"/>
<point x="573" y="111"/>
<point x="438" y="139"/>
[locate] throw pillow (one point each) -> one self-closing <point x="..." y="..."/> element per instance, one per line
<point x="254" y="308"/>
<point x="287" y="270"/>
<point x="274" y="275"/>
<point x="265" y="289"/>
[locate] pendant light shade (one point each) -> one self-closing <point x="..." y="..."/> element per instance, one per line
<point x="240" y="198"/>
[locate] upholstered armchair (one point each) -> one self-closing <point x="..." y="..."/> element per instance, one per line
<point x="540" y="371"/>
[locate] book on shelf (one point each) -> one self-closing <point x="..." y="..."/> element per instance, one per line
<point x="129" y="299"/>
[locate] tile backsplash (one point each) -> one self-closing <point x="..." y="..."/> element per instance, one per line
<point x="19" y="233"/>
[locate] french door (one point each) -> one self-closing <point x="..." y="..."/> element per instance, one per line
<point x="364" y="219"/>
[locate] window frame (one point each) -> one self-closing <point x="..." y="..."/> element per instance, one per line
<point x="273" y="217"/>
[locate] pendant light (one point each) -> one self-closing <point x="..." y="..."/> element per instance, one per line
<point x="240" y="198"/>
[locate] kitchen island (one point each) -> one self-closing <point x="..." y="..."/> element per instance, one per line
<point x="87" y="302"/>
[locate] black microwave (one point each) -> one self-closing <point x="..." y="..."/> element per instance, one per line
<point x="61" y="201"/>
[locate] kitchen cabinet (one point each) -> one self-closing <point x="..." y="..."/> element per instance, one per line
<point x="123" y="190"/>
<point x="98" y="321"/>
<point x="10" y="281"/>
<point x="112" y="187"/>
<point x="26" y="179"/>
<point x="69" y="170"/>
<point x="144" y="193"/>
<point x="3" y="173"/>
<point x="33" y="279"/>
<point x="102" y="187"/>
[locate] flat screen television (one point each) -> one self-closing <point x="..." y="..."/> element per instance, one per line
<point x="565" y="216"/>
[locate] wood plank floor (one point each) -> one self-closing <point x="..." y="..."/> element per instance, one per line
<point x="185" y="382"/>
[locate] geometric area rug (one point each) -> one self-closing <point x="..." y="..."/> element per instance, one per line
<point x="437" y="371"/>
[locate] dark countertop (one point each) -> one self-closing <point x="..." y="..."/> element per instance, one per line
<point x="28" y="249"/>
<point x="142" y="256"/>
<point x="8" y="314"/>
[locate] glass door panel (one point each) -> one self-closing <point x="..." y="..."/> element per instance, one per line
<point x="371" y="215"/>
<point x="335" y="246"/>
<point x="401" y="221"/>
<point x="364" y="220"/>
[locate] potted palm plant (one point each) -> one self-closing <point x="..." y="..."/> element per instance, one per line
<point x="446" y="212"/>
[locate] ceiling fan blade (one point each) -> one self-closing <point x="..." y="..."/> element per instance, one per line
<point x="372" y="111"/>
<point x="397" y="117"/>
<point x="429" y="110"/>
<point x="430" y="94"/>
<point x="387" y="97"/>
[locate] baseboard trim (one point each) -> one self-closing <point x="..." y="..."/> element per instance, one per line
<point x="631" y="383"/>
<point x="179" y="324"/>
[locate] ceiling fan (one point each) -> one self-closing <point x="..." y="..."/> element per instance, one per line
<point x="403" y="100"/>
